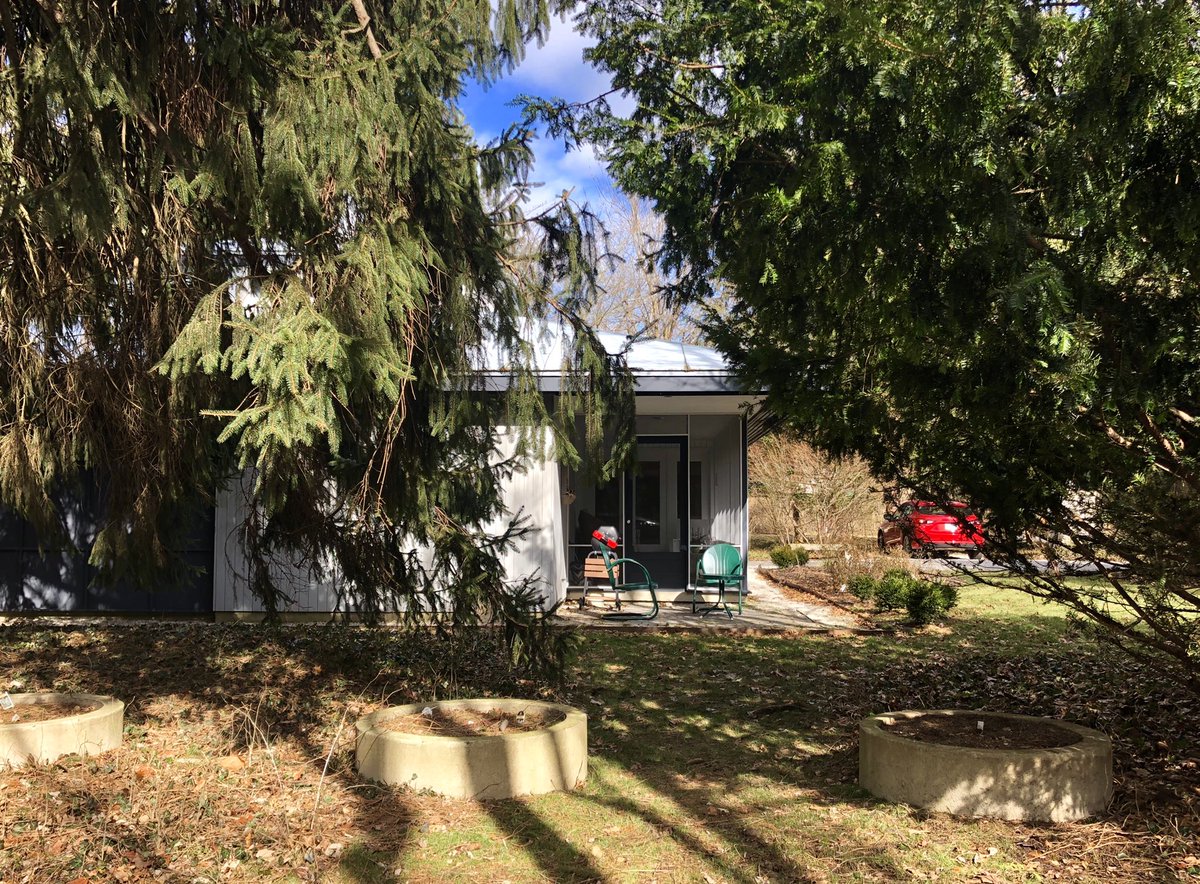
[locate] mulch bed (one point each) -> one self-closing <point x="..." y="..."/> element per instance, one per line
<point x="470" y="722"/>
<point x="22" y="713"/>
<point x="816" y="586"/>
<point x="997" y="732"/>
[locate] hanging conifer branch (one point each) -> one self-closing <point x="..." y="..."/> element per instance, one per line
<point x="232" y="250"/>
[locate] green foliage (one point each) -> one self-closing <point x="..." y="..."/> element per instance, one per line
<point x="893" y="589"/>
<point x="786" y="555"/>
<point x="862" y="586"/>
<point x="924" y="600"/>
<point x="928" y="601"/>
<point x="263" y="237"/>
<point x="961" y="242"/>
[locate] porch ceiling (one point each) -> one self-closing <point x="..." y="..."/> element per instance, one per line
<point x="664" y="404"/>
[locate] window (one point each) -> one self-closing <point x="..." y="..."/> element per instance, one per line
<point x="696" y="489"/>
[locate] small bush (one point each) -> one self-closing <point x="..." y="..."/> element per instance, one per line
<point x="862" y="585"/>
<point x="892" y="589"/>
<point x="927" y="601"/>
<point x="783" y="556"/>
<point x="786" y="556"/>
<point x="897" y="588"/>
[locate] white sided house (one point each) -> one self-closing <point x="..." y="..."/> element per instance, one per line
<point x="688" y="490"/>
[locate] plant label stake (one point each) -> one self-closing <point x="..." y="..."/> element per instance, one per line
<point x="6" y="702"/>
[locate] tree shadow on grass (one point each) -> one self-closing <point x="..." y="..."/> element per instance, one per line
<point x="278" y="705"/>
<point x="678" y="713"/>
<point x="557" y="857"/>
<point x="704" y="694"/>
<point x="736" y="839"/>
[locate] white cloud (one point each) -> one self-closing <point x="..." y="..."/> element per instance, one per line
<point x="580" y="171"/>
<point x="582" y="163"/>
<point x="557" y="67"/>
<point x="557" y="70"/>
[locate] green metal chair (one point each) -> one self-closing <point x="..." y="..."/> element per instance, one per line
<point x="721" y="566"/>
<point x="613" y="566"/>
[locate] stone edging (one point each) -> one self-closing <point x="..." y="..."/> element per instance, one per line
<point x="484" y="766"/>
<point x="1058" y="785"/>
<point x="88" y="733"/>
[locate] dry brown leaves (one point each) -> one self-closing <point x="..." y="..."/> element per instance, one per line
<point x="228" y="729"/>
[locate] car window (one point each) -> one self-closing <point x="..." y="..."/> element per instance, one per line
<point x="930" y="510"/>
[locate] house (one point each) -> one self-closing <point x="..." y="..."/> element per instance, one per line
<point x="689" y="489"/>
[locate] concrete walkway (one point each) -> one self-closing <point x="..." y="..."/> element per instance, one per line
<point x="764" y="609"/>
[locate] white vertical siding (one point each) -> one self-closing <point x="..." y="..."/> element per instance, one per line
<point x="726" y="486"/>
<point x="229" y="559"/>
<point x="536" y="494"/>
<point x="231" y="584"/>
<point x="540" y="554"/>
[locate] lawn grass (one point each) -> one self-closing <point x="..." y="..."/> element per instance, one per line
<point x="713" y="758"/>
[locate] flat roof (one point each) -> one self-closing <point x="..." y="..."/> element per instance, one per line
<point x="658" y="367"/>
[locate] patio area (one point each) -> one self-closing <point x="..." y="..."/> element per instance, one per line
<point x="765" y="609"/>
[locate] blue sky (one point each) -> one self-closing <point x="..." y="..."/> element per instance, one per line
<point x="557" y="70"/>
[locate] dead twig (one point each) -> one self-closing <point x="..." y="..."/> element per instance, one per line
<point x="325" y="770"/>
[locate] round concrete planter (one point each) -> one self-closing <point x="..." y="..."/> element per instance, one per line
<point x="1060" y="784"/>
<point x="88" y="733"/>
<point x="486" y="766"/>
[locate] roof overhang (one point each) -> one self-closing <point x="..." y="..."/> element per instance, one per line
<point x="698" y="403"/>
<point x="644" y="383"/>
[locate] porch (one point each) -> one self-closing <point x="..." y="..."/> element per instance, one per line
<point x="685" y="491"/>
<point x="766" y="610"/>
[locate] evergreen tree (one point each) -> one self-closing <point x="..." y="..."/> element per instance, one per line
<point x="260" y="235"/>
<point x="962" y="241"/>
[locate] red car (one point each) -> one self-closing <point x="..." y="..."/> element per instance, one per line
<point x="924" y="528"/>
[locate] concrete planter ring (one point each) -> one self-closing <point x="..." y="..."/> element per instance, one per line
<point x="86" y="733"/>
<point x="1069" y="781"/>
<point x="491" y="765"/>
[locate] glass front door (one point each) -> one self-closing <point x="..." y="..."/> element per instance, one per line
<point x="656" y="509"/>
<point x="649" y="494"/>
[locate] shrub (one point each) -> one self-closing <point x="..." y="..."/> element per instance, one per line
<point x="783" y="556"/>
<point x="861" y="585"/>
<point x="787" y="556"/>
<point x="927" y="601"/>
<point x="897" y="588"/>
<point x="892" y="589"/>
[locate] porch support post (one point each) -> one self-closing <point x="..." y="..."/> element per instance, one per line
<point x="745" y="507"/>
